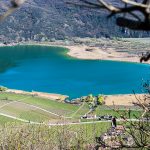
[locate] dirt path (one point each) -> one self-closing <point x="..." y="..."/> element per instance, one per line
<point x="77" y="110"/>
<point x="62" y="124"/>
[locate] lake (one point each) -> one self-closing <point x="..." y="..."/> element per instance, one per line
<point x="49" y="69"/>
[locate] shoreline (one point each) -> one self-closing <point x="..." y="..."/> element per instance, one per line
<point x="90" y="53"/>
<point x="110" y="100"/>
<point x="95" y="53"/>
<point x="87" y="52"/>
<point x="51" y="96"/>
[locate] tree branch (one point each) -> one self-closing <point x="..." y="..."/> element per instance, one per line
<point x="130" y="8"/>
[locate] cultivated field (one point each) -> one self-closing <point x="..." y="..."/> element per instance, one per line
<point x="25" y="108"/>
<point x="34" y="109"/>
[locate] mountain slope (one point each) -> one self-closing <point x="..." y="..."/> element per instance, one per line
<point x="51" y="19"/>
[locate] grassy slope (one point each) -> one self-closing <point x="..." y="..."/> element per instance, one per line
<point x="92" y="129"/>
<point x="5" y="120"/>
<point x="84" y="132"/>
<point x="53" y="135"/>
<point x="25" y="110"/>
<point x="100" y="111"/>
<point x="44" y="103"/>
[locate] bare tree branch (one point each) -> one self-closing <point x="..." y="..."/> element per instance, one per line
<point x="137" y="22"/>
<point x="145" y="57"/>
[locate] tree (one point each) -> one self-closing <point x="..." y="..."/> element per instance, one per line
<point x="136" y="133"/>
<point x="100" y="99"/>
<point x="90" y="98"/>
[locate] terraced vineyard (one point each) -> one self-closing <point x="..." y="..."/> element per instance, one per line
<point x="26" y="108"/>
<point x="34" y="109"/>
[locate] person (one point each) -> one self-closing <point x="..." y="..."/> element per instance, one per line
<point x="129" y="113"/>
<point x="114" y="122"/>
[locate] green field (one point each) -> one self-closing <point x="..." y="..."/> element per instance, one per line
<point x="51" y="114"/>
<point x="5" y="120"/>
<point x="44" y="103"/>
<point x="37" y="109"/>
<point x="100" y="111"/>
<point x="41" y="110"/>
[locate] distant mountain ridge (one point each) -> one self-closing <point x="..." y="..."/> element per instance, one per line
<point x="42" y="20"/>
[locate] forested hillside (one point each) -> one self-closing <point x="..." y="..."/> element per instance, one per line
<point x="42" y="20"/>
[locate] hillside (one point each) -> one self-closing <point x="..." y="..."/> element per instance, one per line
<point x="51" y="19"/>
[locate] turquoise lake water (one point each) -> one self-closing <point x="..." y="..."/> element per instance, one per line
<point x="49" y="69"/>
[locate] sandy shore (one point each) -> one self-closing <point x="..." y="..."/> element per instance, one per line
<point x="124" y="100"/>
<point x="88" y="52"/>
<point x="51" y="96"/>
<point x="95" y="53"/>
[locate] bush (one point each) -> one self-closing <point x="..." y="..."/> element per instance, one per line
<point x="100" y="99"/>
<point x="89" y="98"/>
<point x="2" y="88"/>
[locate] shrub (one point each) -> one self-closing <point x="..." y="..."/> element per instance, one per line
<point x="100" y="99"/>
<point x="2" y="88"/>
